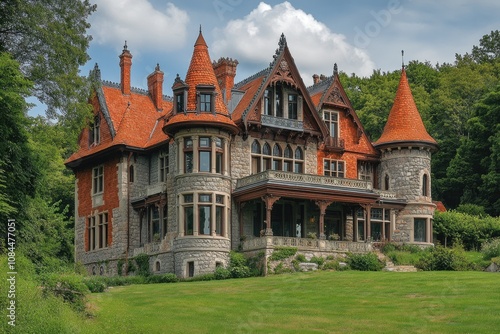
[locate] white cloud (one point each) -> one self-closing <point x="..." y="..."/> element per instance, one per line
<point x="144" y="27"/>
<point x="313" y="45"/>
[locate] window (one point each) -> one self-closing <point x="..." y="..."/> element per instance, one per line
<point x="276" y="158"/>
<point x="204" y="213"/>
<point x="190" y="269"/>
<point x="332" y="122"/>
<point x="419" y="229"/>
<point x="98" y="231"/>
<point x="98" y="180"/>
<point x="205" y="102"/>
<point x="188" y="155"/>
<point x="268" y="102"/>
<point x="425" y="185"/>
<point x="278" y="107"/>
<point x="179" y="102"/>
<point x="131" y="174"/>
<point x="292" y="106"/>
<point x="157" y="266"/>
<point x="334" y="168"/>
<point x="188" y="214"/>
<point x="365" y="171"/>
<point x="210" y="154"/>
<point x="205" y="156"/>
<point x="95" y="131"/>
<point x="163" y="166"/>
<point x="165" y="219"/>
<point x="386" y="182"/>
<point x="154" y="224"/>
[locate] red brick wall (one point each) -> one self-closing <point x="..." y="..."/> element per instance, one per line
<point x="110" y="196"/>
<point x="354" y="149"/>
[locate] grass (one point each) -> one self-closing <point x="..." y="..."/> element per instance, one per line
<point x="319" y="302"/>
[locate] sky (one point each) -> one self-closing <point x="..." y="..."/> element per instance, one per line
<point x="360" y="36"/>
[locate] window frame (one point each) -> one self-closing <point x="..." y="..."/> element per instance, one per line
<point x="332" y="122"/>
<point x="337" y="172"/>
<point x="271" y="156"/>
<point x="163" y="166"/>
<point x="98" y="180"/>
<point x="98" y="231"/>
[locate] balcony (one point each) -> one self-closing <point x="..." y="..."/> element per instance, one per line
<point x="304" y="179"/>
<point x="283" y="123"/>
<point x="334" y="144"/>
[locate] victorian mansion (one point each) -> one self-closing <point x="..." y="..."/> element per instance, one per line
<point x="216" y="166"/>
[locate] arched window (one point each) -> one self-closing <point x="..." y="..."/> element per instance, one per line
<point x="255" y="147"/>
<point x="277" y="150"/>
<point x="157" y="266"/>
<point x="131" y="173"/>
<point x="425" y="185"/>
<point x="298" y="166"/>
<point x="386" y="182"/>
<point x="288" y="152"/>
<point x="266" y="149"/>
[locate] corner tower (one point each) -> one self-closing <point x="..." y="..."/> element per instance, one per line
<point x="201" y="128"/>
<point x="405" y="166"/>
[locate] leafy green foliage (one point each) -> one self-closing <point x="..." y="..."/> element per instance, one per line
<point x="238" y="265"/>
<point x="364" y="262"/>
<point x="442" y="258"/>
<point x="68" y="286"/>
<point x="281" y="253"/>
<point x="470" y="231"/>
<point x="142" y="261"/>
<point x="222" y="273"/>
<point x="491" y="249"/>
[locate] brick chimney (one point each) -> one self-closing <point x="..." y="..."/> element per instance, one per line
<point x="155" y="87"/>
<point x="315" y="78"/>
<point x="125" y="64"/>
<point x="225" y="71"/>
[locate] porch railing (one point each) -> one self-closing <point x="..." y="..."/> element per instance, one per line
<point x="269" y="242"/>
<point x="303" y="178"/>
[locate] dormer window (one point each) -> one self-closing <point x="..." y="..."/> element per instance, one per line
<point x="180" y="102"/>
<point x="95" y="131"/>
<point x="206" y="98"/>
<point x="283" y="101"/>
<point x="332" y="122"/>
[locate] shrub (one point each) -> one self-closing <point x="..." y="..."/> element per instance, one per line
<point x="318" y="260"/>
<point x="202" y="277"/>
<point x="281" y="253"/>
<point x="69" y="287"/>
<point x="240" y="272"/>
<point x="165" y="278"/>
<point x="388" y="247"/>
<point x="491" y="249"/>
<point x="281" y="269"/>
<point x="142" y="261"/>
<point x="364" y="262"/>
<point x="222" y="273"/>
<point x="256" y="264"/>
<point x="95" y="284"/>
<point x="238" y="265"/>
<point x="301" y="258"/>
<point x="442" y="258"/>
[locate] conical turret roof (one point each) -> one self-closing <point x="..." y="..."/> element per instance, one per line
<point x="201" y="74"/>
<point x="404" y="124"/>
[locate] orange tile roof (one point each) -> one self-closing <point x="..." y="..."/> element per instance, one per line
<point x="134" y="118"/>
<point x="250" y="88"/>
<point x="404" y="123"/>
<point x="200" y="72"/>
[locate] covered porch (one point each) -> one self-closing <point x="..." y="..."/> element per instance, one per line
<point x="312" y="211"/>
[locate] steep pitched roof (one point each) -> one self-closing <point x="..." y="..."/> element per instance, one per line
<point x="200" y="73"/>
<point x="130" y="120"/>
<point x="282" y="69"/>
<point x="404" y="124"/>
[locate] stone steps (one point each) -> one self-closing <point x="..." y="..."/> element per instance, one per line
<point x="390" y="266"/>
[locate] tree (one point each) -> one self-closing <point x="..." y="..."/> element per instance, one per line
<point x="48" y="38"/>
<point x="488" y="49"/>
<point x="16" y="160"/>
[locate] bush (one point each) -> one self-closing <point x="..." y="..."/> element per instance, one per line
<point x="491" y="249"/>
<point x="442" y="258"/>
<point x="202" y="277"/>
<point x="334" y="265"/>
<point x="165" y="278"/>
<point x="318" y="260"/>
<point x="301" y="258"/>
<point x="282" y="269"/>
<point x="281" y="253"/>
<point x="95" y="284"/>
<point x="238" y="265"/>
<point x="364" y="262"/>
<point x="70" y="287"/>
<point x="222" y="273"/>
<point x="256" y="264"/>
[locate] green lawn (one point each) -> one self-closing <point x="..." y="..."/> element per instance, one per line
<point x="320" y="302"/>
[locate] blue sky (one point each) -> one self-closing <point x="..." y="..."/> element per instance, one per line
<point x="359" y="36"/>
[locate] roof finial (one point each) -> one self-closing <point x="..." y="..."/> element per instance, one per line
<point x="282" y="42"/>
<point x="125" y="46"/>
<point x="200" y="28"/>
<point x="402" y="59"/>
<point x="157" y="68"/>
<point x="335" y="69"/>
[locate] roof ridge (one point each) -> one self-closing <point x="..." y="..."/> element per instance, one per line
<point x="252" y="77"/>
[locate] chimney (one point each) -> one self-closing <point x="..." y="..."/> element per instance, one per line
<point x="322" y="77"/>
<point x="315" y="79"/>
<point x="125" y="64"/>
<point x="155" y="87"/>
<point x="225" y="71"/>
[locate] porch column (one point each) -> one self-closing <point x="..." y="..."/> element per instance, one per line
<point x="355" y="225"/>
<point x="428" y="230"/>
<point x="368" y="210"/>
<point x="322" y="210"/>
<point x="269" y="201"/>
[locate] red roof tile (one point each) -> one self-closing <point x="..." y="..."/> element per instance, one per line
<point x="404" y="123"/>
<point x="133" y="123"/>
<point x="200" y="72"/>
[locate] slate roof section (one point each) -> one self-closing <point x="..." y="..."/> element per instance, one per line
<point x="404" y="124"/>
